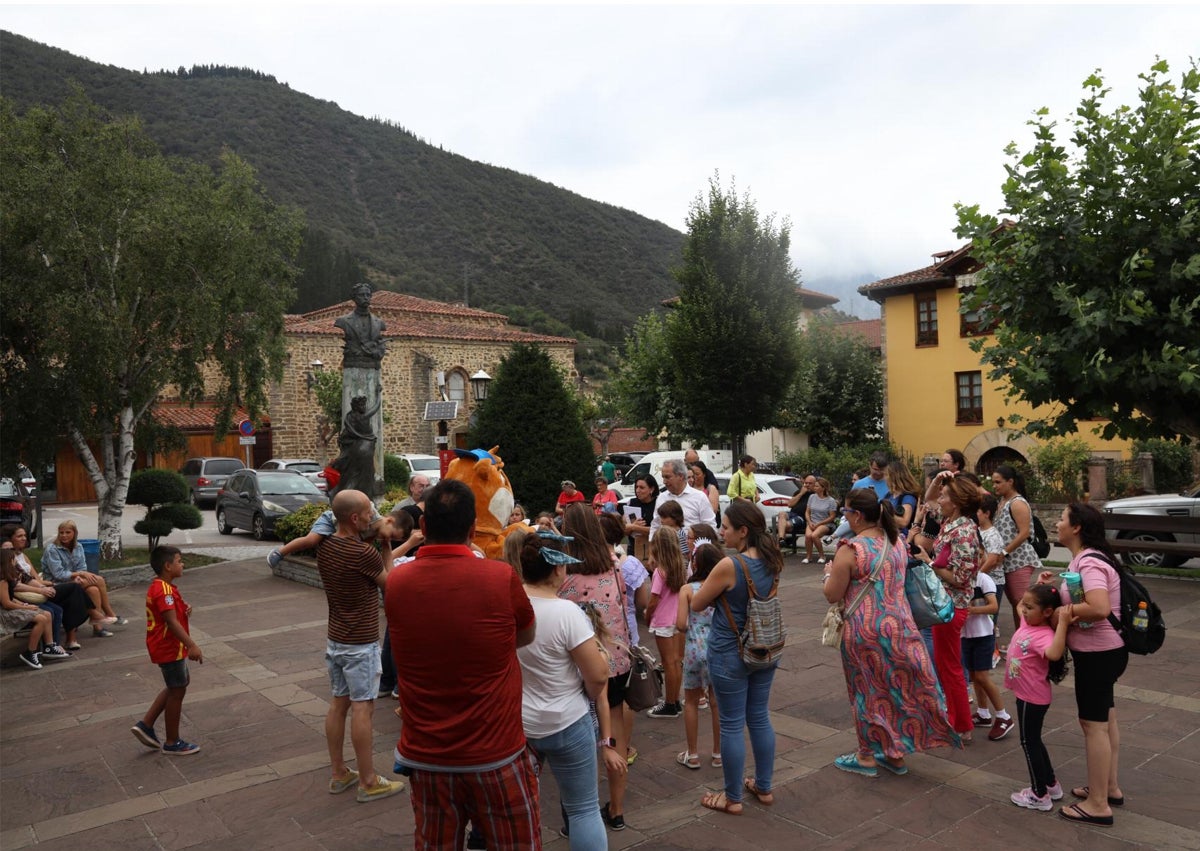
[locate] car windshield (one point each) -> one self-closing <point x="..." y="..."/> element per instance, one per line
<point x="285" y="484"/>
<point x="305" y="467"/>
<point x="784" y="487"/>
<point x="223" y="466"/>
<point x="424" y="464"/>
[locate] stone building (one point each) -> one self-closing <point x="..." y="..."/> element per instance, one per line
<point x="424" y="338"/>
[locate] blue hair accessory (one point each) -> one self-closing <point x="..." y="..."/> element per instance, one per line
<point x="555" y="557"/>
<point x="545" y="534"/>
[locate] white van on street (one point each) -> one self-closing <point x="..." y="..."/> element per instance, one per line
<point x="719" y="461"/>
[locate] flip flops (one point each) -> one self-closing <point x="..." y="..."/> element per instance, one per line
<point x="717" y="801"/>
<point x="1084" y="792"/>
<point x="764" y="798"/>
<point x="1076" y="813"/>
<point x="849" y="762"/>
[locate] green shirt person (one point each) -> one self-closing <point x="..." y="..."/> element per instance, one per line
<point x="608" y="470"/>
<point x="742" y="483"/>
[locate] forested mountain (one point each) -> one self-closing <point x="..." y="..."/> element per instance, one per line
<point x="413" y="217"/>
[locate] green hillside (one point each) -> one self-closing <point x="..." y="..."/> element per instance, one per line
<point x="415" y="217"/>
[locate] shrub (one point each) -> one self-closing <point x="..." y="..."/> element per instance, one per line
<point x="838" y="463"/>
<point x="395" y="472"/>
<point x="1060" y="468"/>
<point x="1172" y="464"/>
<point x="157" y="487"/>
<point x="297" y="524"/>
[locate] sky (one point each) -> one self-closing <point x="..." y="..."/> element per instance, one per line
<point x="862" y="126"/>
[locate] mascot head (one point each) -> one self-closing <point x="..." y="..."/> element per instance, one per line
<point x="483" y="472"/>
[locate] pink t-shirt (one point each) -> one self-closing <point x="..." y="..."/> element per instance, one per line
<point x="668" y="602"/>
<point x="1094" y="573"/>
<point x="1025" y="673"/>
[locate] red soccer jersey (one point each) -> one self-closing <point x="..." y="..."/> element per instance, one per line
<point x="163" y="646"/>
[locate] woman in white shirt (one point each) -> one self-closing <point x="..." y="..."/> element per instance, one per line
<point x="564" y="669"/>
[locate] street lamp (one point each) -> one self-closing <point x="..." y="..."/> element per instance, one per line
<point x="310" y="378"/>
<point x="479" y="385"/>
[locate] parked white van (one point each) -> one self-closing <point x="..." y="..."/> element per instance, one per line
<point x="720" y="461"/>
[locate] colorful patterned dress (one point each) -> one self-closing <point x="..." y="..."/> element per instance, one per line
<point x="695" y="647"/>
<point x="898" y="704"/>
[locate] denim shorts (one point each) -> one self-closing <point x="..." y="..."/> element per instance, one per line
<point x="354" y="669"/>
<point x="175" y="674"/>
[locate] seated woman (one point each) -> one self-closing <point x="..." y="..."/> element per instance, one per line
<point x="14" y="614"/>
<point x="67" y="602"/>
<point x="63" y="561"/>
<point x="820" y="517"/>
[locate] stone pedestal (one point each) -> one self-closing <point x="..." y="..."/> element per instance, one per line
<point x="358" y="381"/>
<point x="1146" y="463"/>
<point x="1097" y="480"/>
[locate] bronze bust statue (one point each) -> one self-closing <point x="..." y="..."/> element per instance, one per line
<point x="364" y="346"/>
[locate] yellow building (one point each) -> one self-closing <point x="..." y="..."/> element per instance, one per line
<point x="937" y="395"/>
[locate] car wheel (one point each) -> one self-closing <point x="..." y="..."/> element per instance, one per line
<point x="191" y="497"/>
<point x="259" y="529"/>
<point x="222" y="524"/>
<point x="1136" y="559"/>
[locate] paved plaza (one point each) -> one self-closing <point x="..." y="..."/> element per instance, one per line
<point x="72" y="776"/>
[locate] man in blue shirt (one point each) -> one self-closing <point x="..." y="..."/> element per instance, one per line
<point x="879" y="462"/>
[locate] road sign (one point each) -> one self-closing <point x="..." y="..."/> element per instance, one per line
<point x="248" y="441"/>
<point x="245" y="428"/>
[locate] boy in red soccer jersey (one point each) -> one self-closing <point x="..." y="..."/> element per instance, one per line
<point x="170" y="647"/>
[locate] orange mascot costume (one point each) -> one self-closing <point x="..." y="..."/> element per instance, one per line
<point x="483" y="472"/>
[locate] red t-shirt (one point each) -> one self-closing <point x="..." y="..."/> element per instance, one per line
<point x="564" y="500"/>
<point x="453" y="620"/>
<point x="163" y="646"/>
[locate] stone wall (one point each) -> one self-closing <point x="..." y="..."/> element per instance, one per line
<point x="409" y="381"/>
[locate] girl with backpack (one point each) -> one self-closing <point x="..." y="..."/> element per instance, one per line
<point x="741" y="694"/>
<point x="1100" y="658"/>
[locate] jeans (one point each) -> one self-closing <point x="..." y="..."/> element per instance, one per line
<point x="927" y="637"/>
<point x="571" y="754"/>
<point x="742" y="697"/>
<point x="56" y="615"/>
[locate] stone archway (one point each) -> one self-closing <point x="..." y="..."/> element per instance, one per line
<point x="998" y="446"/>
<point x="994" y="457"/>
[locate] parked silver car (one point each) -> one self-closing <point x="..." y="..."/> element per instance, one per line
<point x="205" y="477"/>
<point x="773" y="494"/>
<point x="1183" y="504"/>
<point x="306" y="467"/>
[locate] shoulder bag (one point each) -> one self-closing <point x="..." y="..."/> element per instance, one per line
<point x="644" y="683"/>
<point x="760" y="643"/>
<point x="835" y="618"/>
<point x="927" y="597"/>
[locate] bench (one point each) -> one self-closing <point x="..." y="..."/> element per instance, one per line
<point x="1157" y="535"/>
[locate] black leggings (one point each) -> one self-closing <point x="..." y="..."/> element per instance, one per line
<point x="1030" y="717"/>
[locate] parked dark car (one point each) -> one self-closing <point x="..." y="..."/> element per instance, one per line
<point x="205" y="477"/>
<point x="18" y="505"/>
<point x="254" y="499"/>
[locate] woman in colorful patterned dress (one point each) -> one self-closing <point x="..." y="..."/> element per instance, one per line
<point x="898" y="707"/>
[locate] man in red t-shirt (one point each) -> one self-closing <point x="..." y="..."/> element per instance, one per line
<point x="170" y="646"/>
<point x="455" y="623"/>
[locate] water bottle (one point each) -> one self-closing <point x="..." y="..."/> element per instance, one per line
<point x="1074" y="585"/>
<point x="1141" y="620"/>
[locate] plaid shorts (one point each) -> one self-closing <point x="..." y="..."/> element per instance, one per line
<point x="502" y="804"/>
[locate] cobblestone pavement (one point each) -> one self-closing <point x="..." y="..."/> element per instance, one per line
<point x="73" y="777"/>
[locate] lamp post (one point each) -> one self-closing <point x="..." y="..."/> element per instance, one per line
<point x="310" y="377"/>
<point x="479" y="385"/>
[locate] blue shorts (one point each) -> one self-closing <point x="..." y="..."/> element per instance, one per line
<point x="325" y="525"/>
<point x="175" y="674"/>
<point x="354" y="669"/>
<point x="977" y="653"/>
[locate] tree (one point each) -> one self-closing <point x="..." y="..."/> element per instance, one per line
<point x="643" y="389"/>
<point x="1096" y="285"/>
<point x="136" y="274"/>
<point x="541" y="450"/>
<point x="732" y="340"/>
<point x="327" y="386"/>
<point x="837" y="397"/>
<point x="165" y="494"/>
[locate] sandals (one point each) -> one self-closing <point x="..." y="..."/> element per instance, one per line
<point x="1083" y="792"/>
<point x="1077" y="813"/>
<point x="716" y="760"/>
<point x="882" y="762"/>
<point x="764" y="798"/>
<point x="717" y="801"/>
<point x="631" y="755"/>
<point x="689" y="760"/>
<point x="849" y="762"/>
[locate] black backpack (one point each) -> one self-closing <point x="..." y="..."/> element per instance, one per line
<point x="1039" y="538"/>
<point x="1133" y="593"/>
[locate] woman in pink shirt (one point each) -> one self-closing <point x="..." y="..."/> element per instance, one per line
<point x="1100" y="659"/>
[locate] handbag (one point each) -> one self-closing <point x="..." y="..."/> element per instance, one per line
<point x="31" y="597"/>
<point x="644" y="685"/>
<point x="927" y="596"/>
<point x="835" y="619"/>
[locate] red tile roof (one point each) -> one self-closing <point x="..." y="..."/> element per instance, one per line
<point x="808" y="297"/>
<point x="869" y="330"/>
<point x="388" y="301"/>
<point x="926" y="275"/>
<point x="200" y="417"/>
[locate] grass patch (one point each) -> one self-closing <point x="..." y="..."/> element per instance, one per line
<point x="134" y="556"/>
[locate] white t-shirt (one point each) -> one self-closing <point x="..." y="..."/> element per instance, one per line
<point x="552" y="687"/>
<point x="979" y="626"/>
<point x="993" y="542"/>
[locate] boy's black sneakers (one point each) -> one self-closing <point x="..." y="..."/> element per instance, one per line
<point x="31" y="658"/>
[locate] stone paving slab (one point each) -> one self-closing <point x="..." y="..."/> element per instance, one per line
<point x="71" y="775"/>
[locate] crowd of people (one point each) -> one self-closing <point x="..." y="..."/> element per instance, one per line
<point x="540" y="643"/>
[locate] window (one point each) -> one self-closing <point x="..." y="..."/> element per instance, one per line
<point x="456" y="386"/>
<point x="969" y="389"/>
<point x="927" y="323"/>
